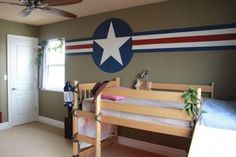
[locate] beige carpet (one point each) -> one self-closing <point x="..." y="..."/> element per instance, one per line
<point x="40" y="140"/>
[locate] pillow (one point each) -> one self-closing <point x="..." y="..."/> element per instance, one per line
<point x="116" y="97"/>
<point x="113" y="98"/>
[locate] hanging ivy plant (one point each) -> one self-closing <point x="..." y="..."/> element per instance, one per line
<point x="43" y="45"/>
<point x="191" y="101"/>
<point x="39" y="53"/>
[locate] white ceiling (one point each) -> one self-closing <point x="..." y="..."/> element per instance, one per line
<point x="87" y="7"/>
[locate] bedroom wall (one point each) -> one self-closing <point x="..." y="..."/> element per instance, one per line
<point x="173" y="67"/>
<point x="7" y="27"/>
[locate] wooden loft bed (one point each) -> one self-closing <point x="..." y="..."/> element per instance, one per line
<point x="163" y="91"/>
<point x="83" y="91"/>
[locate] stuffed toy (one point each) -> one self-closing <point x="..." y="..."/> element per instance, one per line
<point x="142" y="82"/>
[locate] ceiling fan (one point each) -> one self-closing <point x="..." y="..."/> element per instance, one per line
<point x="44" y="5"/>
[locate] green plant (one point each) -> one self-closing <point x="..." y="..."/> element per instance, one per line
<point x="191" y="101"/>
<point x="45" y="44"/>
<point x="39" y="53"/>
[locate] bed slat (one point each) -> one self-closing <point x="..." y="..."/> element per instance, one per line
<point x="143" y="94"/>
<point x="87" y="152"/>
<point x="183" y="87"/>
<point x="85" y="114"/>
<point x="165" y="129"/>
<point x="147" y="110"/>
<point x="86" y="139"/>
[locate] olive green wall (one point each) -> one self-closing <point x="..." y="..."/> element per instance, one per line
<point x="173" y="67"/>
<point x="7" y="27"/>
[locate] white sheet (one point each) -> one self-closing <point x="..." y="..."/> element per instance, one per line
<point x="88" y="106"/>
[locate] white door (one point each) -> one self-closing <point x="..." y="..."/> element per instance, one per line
<point x="22" y="79"/>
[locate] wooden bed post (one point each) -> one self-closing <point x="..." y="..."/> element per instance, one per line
<point x="118" y="81"/>
<point x="199" y="97"/>
<point x="199" y="101"/>
<point x="115" y="127"/>
<point x="75" y="120"/>
<point x="98" y="126"/>
<point x="212" y="89"/>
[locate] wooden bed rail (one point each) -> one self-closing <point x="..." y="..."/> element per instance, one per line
<point x="147" y="110"/>
<point x="183" y="87"/>
<point x="144" y="94"/>
<point x="158" y="128"/>
<point x="85" y="88"/>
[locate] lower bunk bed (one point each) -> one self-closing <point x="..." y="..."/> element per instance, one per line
<point x="158" y="110"/>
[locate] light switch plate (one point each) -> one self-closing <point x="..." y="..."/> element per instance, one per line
<point x="5" y="77"/>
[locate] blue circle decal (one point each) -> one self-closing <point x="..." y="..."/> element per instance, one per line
<point x="112" y="45"/>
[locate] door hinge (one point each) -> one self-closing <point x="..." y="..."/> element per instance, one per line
<point x="35" y="108"/>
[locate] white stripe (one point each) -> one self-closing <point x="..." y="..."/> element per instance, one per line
<point x="79" y="42"/>
<point x="185" y="34"/>
<point x="183" y="45"/>
<point x="79" y="50"/>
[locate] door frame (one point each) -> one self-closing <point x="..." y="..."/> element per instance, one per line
<point x="10" y="107"/>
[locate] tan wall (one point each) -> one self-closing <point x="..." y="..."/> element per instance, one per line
<point x="7" y="27"/>
<point x="177" y="67"/>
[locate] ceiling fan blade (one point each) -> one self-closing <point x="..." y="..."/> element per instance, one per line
<point x="61" y="2"/>
<point x="25" y="12"/>
<point x="58" y="12"/>
<point x="12" y="3"/>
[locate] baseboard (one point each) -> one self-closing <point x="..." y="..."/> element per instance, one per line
<point x="150" y="147"/>
<point x="51" y="122"/>
<point x="4" y="126"/>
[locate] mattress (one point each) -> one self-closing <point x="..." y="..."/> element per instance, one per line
<point x="219" y="114"/>
<point x="89" y="106"/>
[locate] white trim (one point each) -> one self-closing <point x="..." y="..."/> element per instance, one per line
<point x="150" y="147"/>
<point x="51" y="122"/>
<point x="4" y="126"/>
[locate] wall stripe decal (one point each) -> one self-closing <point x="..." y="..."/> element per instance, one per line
<point x="190" y="39"/>
<point x="185" y="39"/>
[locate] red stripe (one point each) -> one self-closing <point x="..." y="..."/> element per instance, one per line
<point x="169" y="40"/>
<point x="0" y="117"/>
<point x="79" y="46"/>
<point x="186" y="39"/>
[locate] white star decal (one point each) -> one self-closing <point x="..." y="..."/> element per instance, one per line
<point x="111" y="45"/>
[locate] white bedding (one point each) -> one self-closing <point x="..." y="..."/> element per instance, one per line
<point x="89" y="106"/>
